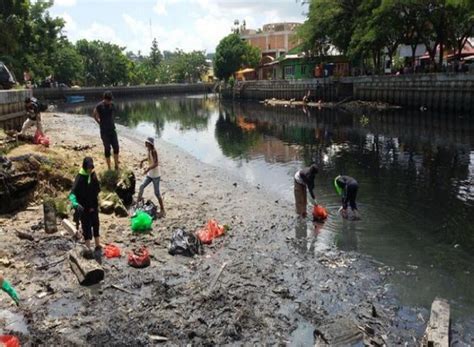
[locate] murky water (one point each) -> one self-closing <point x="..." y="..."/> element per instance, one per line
<point x="415" y="170"/>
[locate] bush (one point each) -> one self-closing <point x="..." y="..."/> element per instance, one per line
<point x="109" y="180"/>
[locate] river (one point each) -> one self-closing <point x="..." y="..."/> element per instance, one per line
<point x="415" y="170"/>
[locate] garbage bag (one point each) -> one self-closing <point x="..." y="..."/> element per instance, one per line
<point x="210" y="231"/>
<point x="141" y="221"/>
<point x="9" y="341"/>
<point x="112" y="251"/>
<point x="139" y="258"/>
<point x="319" y="213"/>
<point x="148" y="207"/>
<point x="40" y="138"/>
<point x="184" y="243"/>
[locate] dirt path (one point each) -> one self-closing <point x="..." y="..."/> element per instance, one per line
<point x="266" y="292"/>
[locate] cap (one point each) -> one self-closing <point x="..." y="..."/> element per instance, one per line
<point x="88" y="163"/>
<point x="150" y="140"/>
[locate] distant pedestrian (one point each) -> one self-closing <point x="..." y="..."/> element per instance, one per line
<point x="33" y="112"/>
<point x="304" y="179"/>
<point x="347" y="187"/>
<point x="152" y="172"/>
<point x="104" y="114"/>
<point x="85" y="199"/>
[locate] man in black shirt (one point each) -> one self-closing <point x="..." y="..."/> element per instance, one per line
<point x="104" y="114"/>
<point x="347" y="187"/>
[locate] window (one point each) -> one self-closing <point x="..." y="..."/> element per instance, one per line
<point x="303" y="69"/>
<point x="289" y="70"/>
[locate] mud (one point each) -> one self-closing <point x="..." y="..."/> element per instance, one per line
<point x="253" y="285"/>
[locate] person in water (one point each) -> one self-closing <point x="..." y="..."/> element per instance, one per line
<point x="347" y="187"/>
<point x="304" y="179"/>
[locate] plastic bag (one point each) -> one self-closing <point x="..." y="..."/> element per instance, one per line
<point x="210" y="231"/>
<point x="319" y="213"/>
<point x="112" y="251"/>
<point x="147" y="207"/>
<point x="139" y="259"/>
<point x="40" y="139"/>
<point x="141" y="221"/>
<point x="9" y="341"/>
<point x="184" y="243"/>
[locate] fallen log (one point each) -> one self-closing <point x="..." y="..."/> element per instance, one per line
<point x="87" y="271"/>
<point x="437" y="331"/>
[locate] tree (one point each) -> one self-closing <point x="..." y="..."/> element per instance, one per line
<point x="232" y="54"/>
<point x="69" y="67"/>
<point x="155" y="55"/>
<point x="13" y="16"/>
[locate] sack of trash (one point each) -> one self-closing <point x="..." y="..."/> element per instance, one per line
<point x="112" y="251"/>
<point x="148" y="207"/>
<point x="139" y="258"/>
<point x="184" y="243"/>
<point x="319" y="213"/>
<point x="9" y="341"/>
<point x="141" y="222"/>
<point x="40" y="139"/>
<point x="210" y="231"/>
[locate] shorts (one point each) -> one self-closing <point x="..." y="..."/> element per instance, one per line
<point x="90" y="224"/>
<point x="300" y="198"/>
<point x="109" y="139"/>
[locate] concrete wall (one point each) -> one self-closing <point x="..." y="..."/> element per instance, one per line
<point x="12" y="107"/>
<point x="441" y="92"/>
<point x="96" y="93"/>
<point x="438" y="92"/>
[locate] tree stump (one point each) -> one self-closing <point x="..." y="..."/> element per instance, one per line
<point x="87" y="271"/>
<point x="49" y="210"/>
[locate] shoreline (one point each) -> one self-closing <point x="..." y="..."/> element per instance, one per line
<point x="268" y="292"/>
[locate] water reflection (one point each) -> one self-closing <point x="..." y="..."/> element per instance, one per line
<point x="415" y="170"/>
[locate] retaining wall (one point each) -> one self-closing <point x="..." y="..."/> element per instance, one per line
<point x="12" y="107"/>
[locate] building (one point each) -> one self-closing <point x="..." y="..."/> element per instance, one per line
<point x="273" y="39"/>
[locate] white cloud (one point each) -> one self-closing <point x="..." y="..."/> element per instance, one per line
<point x="65" y="3"/>
<point x="102" y="32"/>
<point x="160" y="7"/>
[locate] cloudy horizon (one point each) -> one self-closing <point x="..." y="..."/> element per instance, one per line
<point x="184" y="24"/>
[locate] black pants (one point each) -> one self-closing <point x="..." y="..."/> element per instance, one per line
<point x="109" y="139"/>
<point x="350" y="196"/>
<point x="90" y="224"/>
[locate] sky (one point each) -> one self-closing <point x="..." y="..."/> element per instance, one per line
<point x="185" y="24"/>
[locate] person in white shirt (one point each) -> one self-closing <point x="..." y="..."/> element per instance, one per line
<point x="152" y="173"/>
<point x="304" y="179"/>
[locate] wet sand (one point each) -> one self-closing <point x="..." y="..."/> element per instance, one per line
<point x="267" y="292"/>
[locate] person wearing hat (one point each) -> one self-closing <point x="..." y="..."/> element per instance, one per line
<point x="85" y="199"/>
<point x="33" y="112"/>
<point x="347" y="187"/>
<point x="304" y="179"/>
<point x="152" y="173"/>
<point x="104" y="114"/>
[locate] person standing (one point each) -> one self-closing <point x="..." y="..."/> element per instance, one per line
<point x="33" y="112"/>
<point x="84" y="198"/>
<point x="104" y="114"/>
<point x="152" y="172"/>
<point x="304" y="179"/>
<point x="347" y="187"/>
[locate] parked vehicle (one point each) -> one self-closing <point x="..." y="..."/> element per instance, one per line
<point x="7" y="79"/>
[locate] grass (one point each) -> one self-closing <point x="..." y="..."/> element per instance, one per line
<point x="109" y="180"/>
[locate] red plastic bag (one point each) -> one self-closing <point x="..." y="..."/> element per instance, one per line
<point x="40" y="139"/>
<point x="9" y="341"/>
<point x="210" y="231"/>
<point x="140" y="258"/>
<point x="112" y="251"/>
<point x="319" y="213"/>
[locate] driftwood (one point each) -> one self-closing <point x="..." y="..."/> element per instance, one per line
<point x="24" y="236"/>
<point x="437" y="331"/>
<point x="87" y="271"/>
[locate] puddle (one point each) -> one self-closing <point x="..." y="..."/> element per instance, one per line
<point x="63" y="308"/>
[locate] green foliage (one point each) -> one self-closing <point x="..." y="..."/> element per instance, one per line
<point x="364" y="29"/>
<point x="109" y="179"/>
<point x="155" y="55"/>
<point x="233" y="54"/>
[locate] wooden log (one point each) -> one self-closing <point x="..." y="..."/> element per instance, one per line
<point x="87" y="271"/>
<point x="437" y="331"/>
<point x="24" y="236"/>
<point x="70" y="228"/>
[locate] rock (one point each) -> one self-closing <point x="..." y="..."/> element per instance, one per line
<point x="107" y="206"/>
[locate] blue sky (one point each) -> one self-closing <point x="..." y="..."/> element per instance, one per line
<point x="185" y="24"/>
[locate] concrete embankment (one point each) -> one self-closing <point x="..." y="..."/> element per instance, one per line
<point x="436" y="92"/>
<point x="12" y="107"/>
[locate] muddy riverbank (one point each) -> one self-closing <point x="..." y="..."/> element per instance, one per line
<point x="268" y="291"/>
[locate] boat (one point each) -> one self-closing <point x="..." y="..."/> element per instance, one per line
<point x="74" y="99"/>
